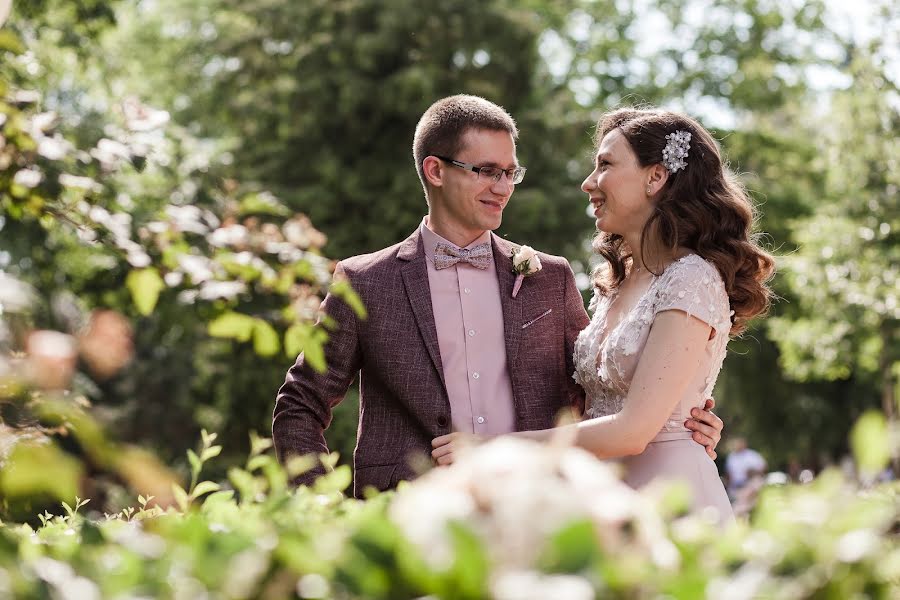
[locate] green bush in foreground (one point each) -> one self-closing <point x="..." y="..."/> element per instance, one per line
<point x="510" y="520"/>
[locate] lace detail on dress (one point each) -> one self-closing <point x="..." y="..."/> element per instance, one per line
<point x="605" y="361"/>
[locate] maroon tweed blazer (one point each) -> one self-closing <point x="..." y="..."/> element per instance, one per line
<point x="403" y="398"/>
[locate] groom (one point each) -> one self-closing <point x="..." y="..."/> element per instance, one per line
<point x="446" y="345"/>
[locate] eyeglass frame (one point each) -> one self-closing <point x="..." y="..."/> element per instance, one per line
<point x="478" y="170"/>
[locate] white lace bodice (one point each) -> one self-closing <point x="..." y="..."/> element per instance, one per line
<point x="605" y="362"/>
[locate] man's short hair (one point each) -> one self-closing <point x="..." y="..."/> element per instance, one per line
<point x="441" y="129"/>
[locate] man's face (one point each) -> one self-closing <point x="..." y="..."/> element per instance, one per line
<point x="471" y="203"/>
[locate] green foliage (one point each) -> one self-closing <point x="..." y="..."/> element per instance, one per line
<point x="257" y="538"/>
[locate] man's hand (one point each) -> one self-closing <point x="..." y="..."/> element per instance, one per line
<point x="707" y="427"/>
<point x="447" y="447"/>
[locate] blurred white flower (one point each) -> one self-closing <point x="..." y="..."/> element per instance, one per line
<point x="211" y="290"/>
<point x="140" y="117"/>
<point x="29" y="178"/>
<point x="111" y="153"/>
<point x="531" y="585"/>
<point x="313" y="585"/>
<point x="79" y="183"/>
<point x="173" y="278"/>
<point x="187" y="218"/>
<point x="42" y="122"/>
<point x="246" y="570"/>
<point x="54" y="148"/>
<point x="514" y="494"/>
<point x="229" y="235"/>
<point x="198" y="268"/>
<point x="856" y="545"/>
<point x="15" y="295"/>
<point x="138" y="258"/>
<point x="133" y="537"/>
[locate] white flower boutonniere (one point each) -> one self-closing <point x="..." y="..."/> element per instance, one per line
<point x="526" y="262"/>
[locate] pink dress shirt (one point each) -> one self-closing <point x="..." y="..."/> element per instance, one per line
<point x="469" y="321"/>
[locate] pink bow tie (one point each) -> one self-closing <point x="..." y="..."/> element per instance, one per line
<point x="479" y="256"/>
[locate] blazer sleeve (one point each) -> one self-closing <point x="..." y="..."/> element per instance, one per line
<point x="304" y="404"/>
<point x="576" y="319"/>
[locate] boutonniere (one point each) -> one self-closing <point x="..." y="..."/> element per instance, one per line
<point x="526" y="262"/>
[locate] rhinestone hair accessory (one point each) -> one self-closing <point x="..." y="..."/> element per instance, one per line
<point x="676" y="151"/>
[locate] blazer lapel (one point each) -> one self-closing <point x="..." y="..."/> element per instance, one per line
<point x="512" y="307"/>
<point x="418" y="290"/>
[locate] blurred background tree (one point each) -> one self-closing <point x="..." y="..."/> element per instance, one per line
<point x="316" y="102"/>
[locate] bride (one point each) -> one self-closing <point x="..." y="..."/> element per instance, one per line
<point x="682" y="274"/>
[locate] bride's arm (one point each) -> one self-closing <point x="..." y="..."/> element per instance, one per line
<point x="673" y="353"/>
<point x="670" y="359"/>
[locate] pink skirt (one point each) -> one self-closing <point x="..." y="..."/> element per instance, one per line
<point x="676" y="457"/>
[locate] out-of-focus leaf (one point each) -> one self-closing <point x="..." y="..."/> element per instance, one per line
<point x="263" y="204"/>
<point x="195" y="462"/>
<point x="145" y="286"/>
<point x="204" y="487"/>
<point x="35" y="469"/>
<point x="870" y="440"/>
<point x="10" y="42"/>
<point x="233" y="325"/>
<point x="571" y="549"/>
<point x="181" y="497"/>
<point x="265" y="339"/>
<point x="211" y="452"/>
<point x="334" y="481"/>
<point x="310" y="340"/>
<point x="343" y="290"/>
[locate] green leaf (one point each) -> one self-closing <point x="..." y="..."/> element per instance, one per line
<point x="259" y="444"/>
<point x="181" y="497"/>
<point x="262" y="203"/>
<point x="10" y="42"/>
<point x="195" y="462"/>
<point x="470" y="567"/>
<point x="870" y="440"/>
<point x="571" y="549"/>
<point x="211" y="452"/>
<point x="335" y="481"/>
<point x="217" y="498"/>
<point x="265" y="339"/>
<point x="204" y="487"/>
<point x="310" y="340"/>
<point x="244" y="483"/>
<point x="344" y="291"/>
<point x="233" y="325"/>
<point x="33" y="469"/>
<point x="145" y="286"/>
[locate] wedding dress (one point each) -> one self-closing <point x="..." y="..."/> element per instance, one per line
<point x="606" y="361"/>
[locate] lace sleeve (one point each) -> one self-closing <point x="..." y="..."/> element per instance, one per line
<point x="694" y="286"/>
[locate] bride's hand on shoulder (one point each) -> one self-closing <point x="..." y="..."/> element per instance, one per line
<point x="447" y="447"/>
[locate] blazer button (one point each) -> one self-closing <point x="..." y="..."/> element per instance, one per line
<point x="442" y="421"/>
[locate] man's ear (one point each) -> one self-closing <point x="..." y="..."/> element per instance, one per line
<point x="433" y="169"/>
<point x="657" y="177"/>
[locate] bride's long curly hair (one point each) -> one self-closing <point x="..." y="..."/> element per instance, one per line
<point x="701" y="207"/>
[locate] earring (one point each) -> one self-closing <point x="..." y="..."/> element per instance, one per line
<point x="648" y="190"/>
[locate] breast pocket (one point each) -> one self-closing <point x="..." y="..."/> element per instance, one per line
<point x="537" y="319"/>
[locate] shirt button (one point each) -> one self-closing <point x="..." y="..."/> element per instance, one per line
<point x="467" y="290"/>
<point x="471" y="333"/>
<point x="480" y="420"/>
<point x="475" y="375"/>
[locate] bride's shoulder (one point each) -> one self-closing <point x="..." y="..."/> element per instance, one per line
<point x="693" y="268"/>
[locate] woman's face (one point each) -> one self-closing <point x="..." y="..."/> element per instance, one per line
<point x="618" y="188"/>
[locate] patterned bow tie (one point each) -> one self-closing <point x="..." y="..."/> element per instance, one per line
<point x="478" y="256"/>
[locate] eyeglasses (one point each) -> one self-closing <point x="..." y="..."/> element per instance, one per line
<point x="514" y="175"/>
